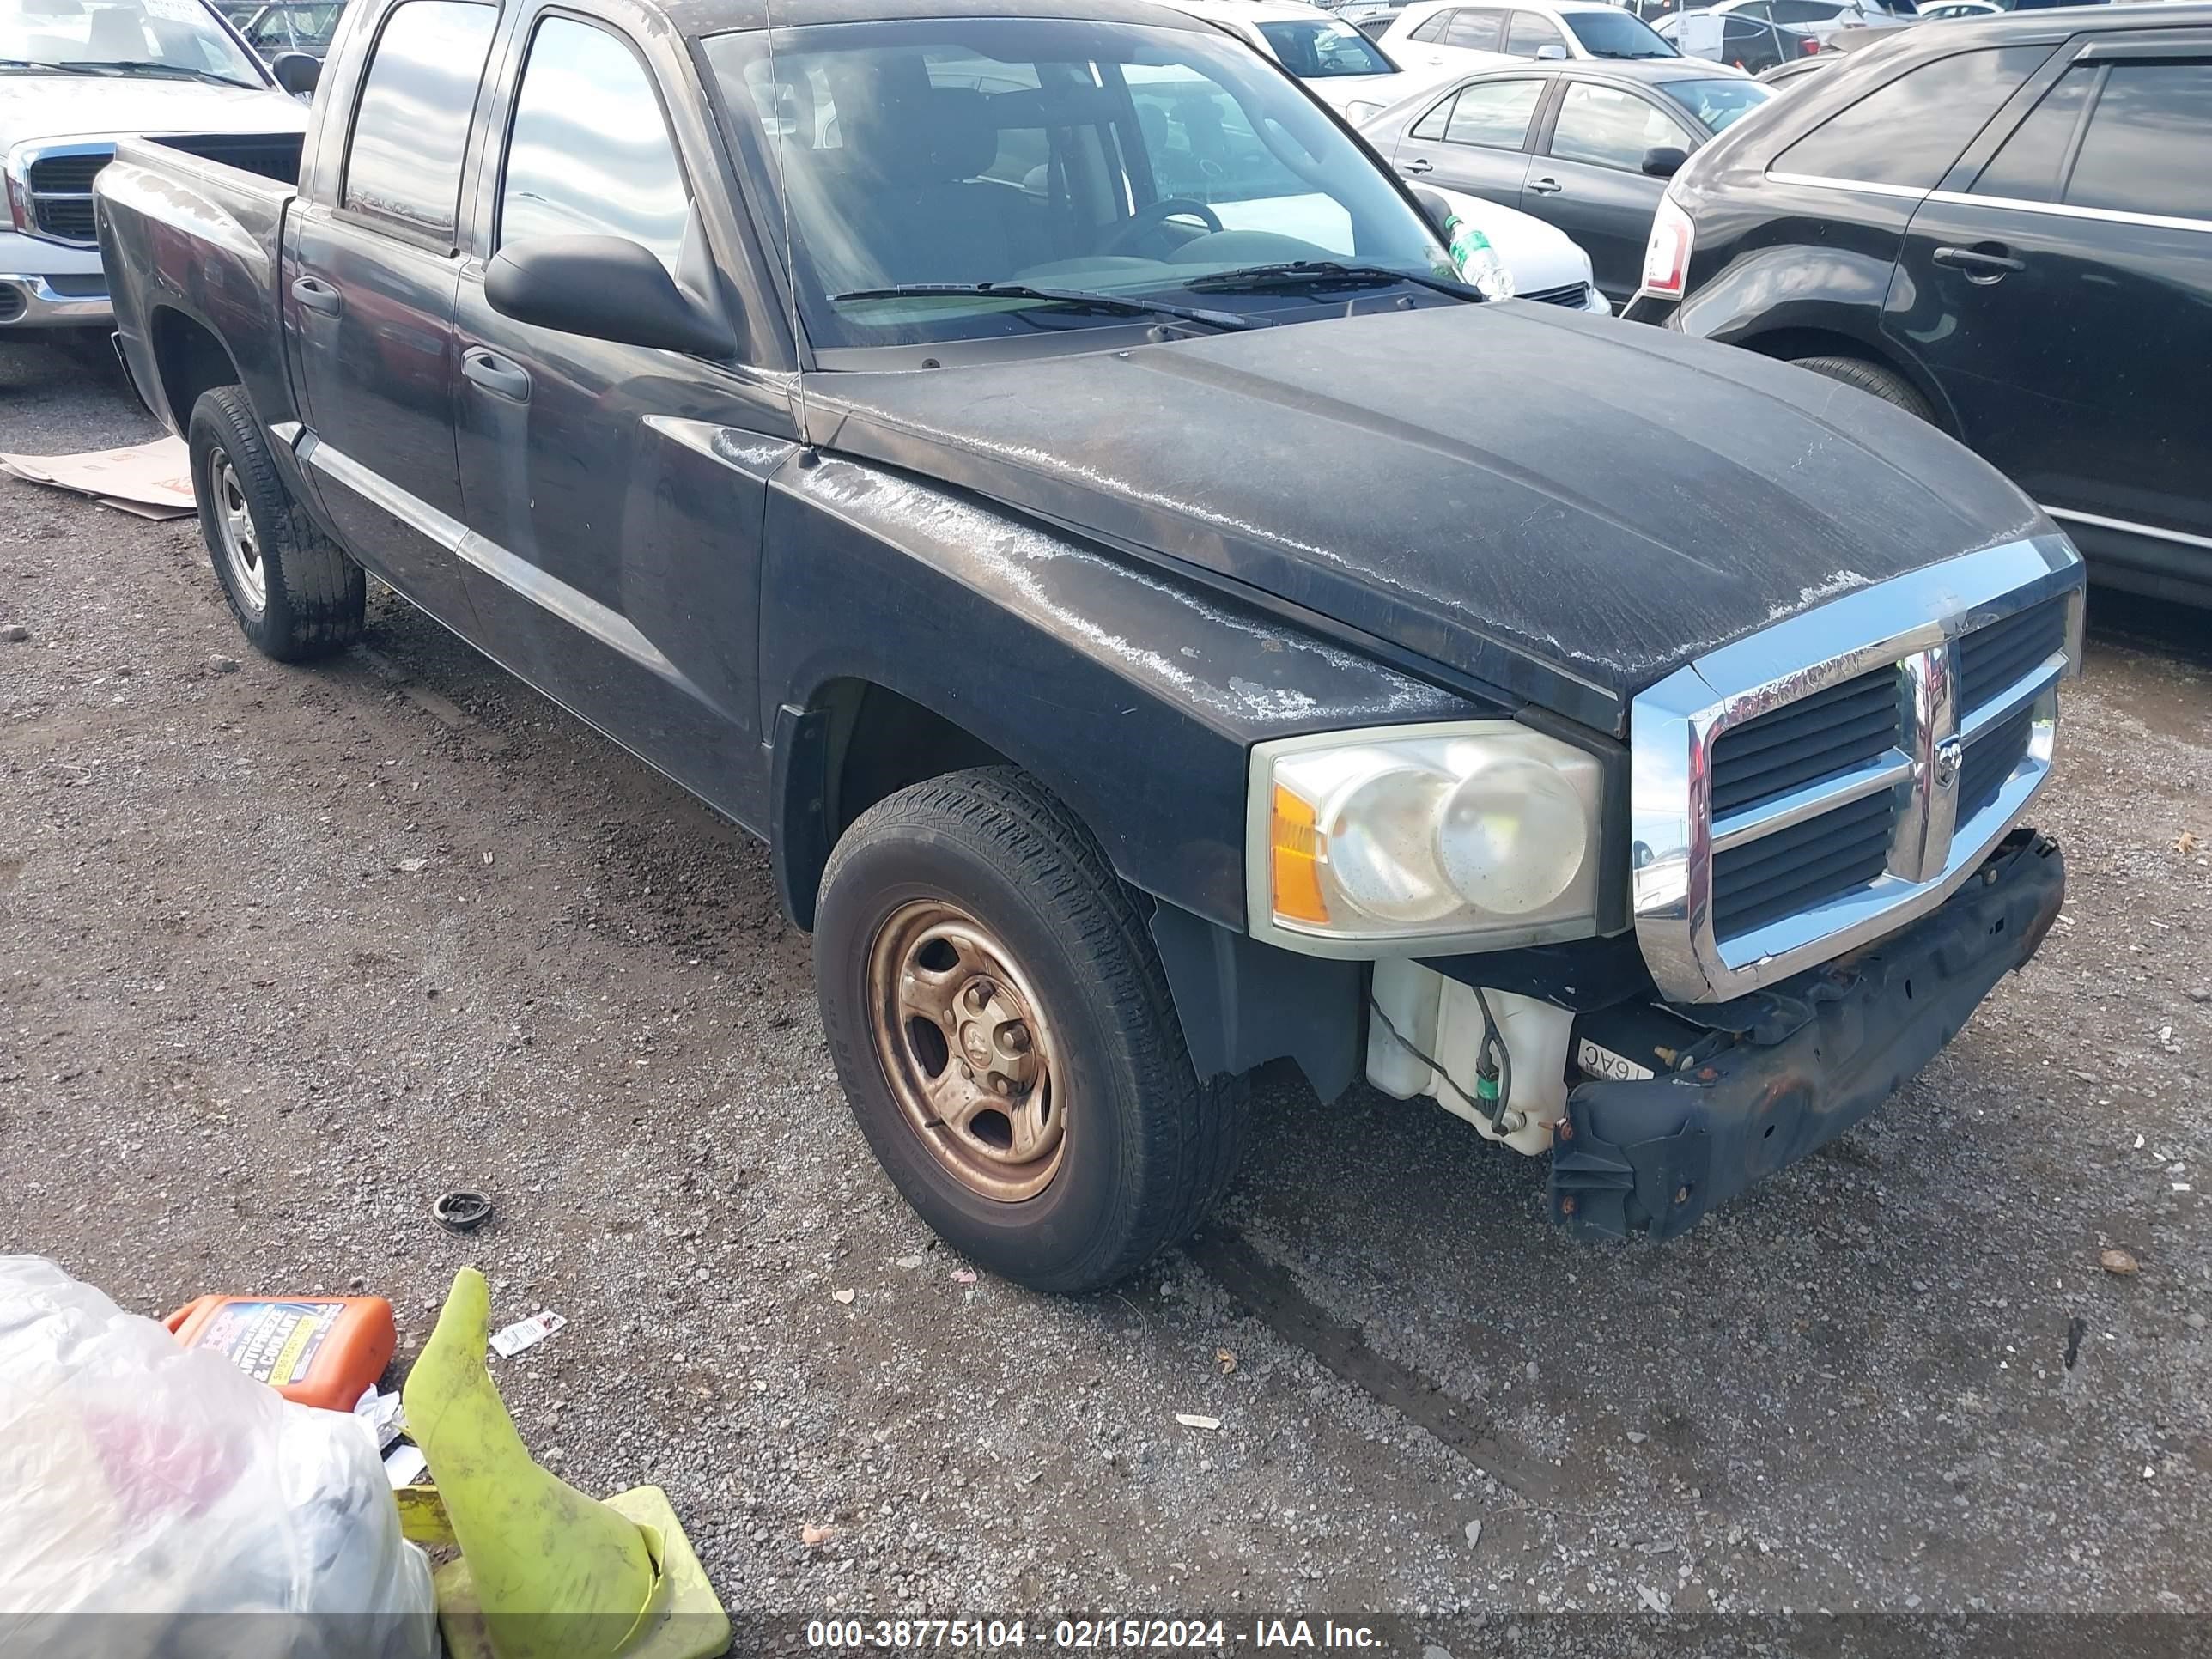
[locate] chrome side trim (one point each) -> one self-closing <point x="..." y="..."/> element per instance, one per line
<point x="1912" y="623"/>
<point x="2130" y="527"/>
<point x="2068" y="210"/>
<point x="1818" y="181"/>
<point x="44" y="306"/>
<point x="578" y="609"/>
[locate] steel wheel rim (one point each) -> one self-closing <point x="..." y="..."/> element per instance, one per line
<point x="967" y="1050"/>
<point x="241" y="545"/>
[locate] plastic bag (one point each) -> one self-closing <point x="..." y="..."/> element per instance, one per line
<point x="152" y="1496"/>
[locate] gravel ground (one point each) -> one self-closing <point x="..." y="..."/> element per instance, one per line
<point x="288" y="952"/>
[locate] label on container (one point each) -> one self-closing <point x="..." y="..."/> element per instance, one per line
<point x="1601" y="1062"/>
<point x="272" y="1342"/>
<point x="525" y="1332"/>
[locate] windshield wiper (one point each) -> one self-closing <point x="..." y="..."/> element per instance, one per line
<point x="1072" y="296"/>
<point x="37" y="68"/>
<point x="145" y="66"/>
<point x="1319" y="273"/>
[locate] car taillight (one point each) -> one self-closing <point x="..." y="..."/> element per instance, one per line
<point x="1810" y="46"/>
<point x="1667" y="255"/>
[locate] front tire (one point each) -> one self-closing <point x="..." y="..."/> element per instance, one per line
<point x="1004" y="1034"/>
<point x="294" y="593"/>
<point x="1885" y="383"/>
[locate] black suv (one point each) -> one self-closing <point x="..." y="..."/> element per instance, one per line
<point x="2005" y="227"/>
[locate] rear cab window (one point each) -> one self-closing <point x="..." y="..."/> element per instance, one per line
<point x="410" y="125"/>
<point x="1906" y="133"/>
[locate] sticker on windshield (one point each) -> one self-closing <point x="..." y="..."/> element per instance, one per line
<point x="175" y="11"/>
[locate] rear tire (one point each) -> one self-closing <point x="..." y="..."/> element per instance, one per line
<point x="295" y="593"/>
<point x="1005" y="1035"/>
<point x="1885" y="383"/>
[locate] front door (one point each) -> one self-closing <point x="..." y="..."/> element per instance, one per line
<point x="369" y="278"/>
<point x="1476" y="140"/>
<point x="1587" y="178"/>
<point x="615" y="493"/>
<point x="2062" y="302"/>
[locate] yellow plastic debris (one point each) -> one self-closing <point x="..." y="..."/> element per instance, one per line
<point x="544" y="1571"/>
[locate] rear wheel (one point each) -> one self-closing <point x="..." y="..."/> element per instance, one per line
<point x="295" y="593"/>
<point x="1006" y="1037"/>
<point x="1885" y="383"/>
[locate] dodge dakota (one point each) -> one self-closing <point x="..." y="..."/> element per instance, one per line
<point x="1044" y="475"/>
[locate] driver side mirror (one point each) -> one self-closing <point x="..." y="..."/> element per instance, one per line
<point x="1664" y="161"/>
<point x="1550" y="54"/>
<point x="295" y="72"/>
<point x="1437" y="211"/>
<point x="604" y="287"/>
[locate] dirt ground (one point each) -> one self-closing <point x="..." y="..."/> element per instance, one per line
<point x="285" y="953"/>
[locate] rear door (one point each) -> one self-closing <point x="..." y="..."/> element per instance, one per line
<point x="1588" y="176"/>
<point x="2059" y="288"/>
<point x="614" y="494"/>
<point x="371" y="267"/>
<point x="1476" y="140"/>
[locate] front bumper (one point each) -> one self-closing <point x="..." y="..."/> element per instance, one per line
<point x="1810" y="1057"/>
<point x="55" y="302"/>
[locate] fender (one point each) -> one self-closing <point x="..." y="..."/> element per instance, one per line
<point x="1130" y="696"/>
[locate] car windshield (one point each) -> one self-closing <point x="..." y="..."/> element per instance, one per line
<point x="178" y="40"/>
<point x="1314" y="51"/>
<point x="1716" y="103"/>
<point x="1616" y="35"/>
<point x="1123" y="161"/>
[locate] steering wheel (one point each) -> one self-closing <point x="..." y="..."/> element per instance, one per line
<point x="1153" y="214"/>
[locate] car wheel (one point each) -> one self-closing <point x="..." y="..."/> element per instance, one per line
<point x="1005" y="1035"/>
<point x="295" y="593"/>
<point x="1885" y="383"/>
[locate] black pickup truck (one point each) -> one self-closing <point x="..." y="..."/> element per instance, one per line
<point x="1042" y="474"/>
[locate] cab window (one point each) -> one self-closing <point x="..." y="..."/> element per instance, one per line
<point x="404" y="160"/>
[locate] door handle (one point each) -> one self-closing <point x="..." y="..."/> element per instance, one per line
<point x="495" y="374"/>
<point x="1544" y="187"/>
<point x="318" y="296"/>
<point x="1417" y="165"/>
<point x="1985" y="261"/>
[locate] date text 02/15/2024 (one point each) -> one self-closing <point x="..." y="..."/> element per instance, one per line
<point x="1084" y="1633"/>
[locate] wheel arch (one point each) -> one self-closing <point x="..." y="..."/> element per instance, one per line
<point x="1790" y="342"/>
<point x="190" y="359"/>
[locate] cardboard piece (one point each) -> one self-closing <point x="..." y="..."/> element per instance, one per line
<point x="153" y="481"/>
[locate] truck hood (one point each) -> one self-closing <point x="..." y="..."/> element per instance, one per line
<point x="88" y="105"/>
<point x="1558" y="506"/>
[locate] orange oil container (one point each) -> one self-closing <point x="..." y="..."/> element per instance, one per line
<point x="317" y="1350"/>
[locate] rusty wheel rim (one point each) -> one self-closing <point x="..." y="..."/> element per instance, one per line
<point x="967" y="1050"/>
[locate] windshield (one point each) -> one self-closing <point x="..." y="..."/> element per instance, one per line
<point x="1717" y="103"/>
<point x="176" y="38"/>
<point x="1324" y="47"/>
<point x="1616" y="35"/>
<point x="1118" y="159"/>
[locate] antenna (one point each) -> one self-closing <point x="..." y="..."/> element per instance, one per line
<point x="783" y="199"/>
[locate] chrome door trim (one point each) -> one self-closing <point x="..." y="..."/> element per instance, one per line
<point x="2130" y="527"/>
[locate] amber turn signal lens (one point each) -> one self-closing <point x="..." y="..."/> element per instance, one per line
<point x="1294" y="849"/>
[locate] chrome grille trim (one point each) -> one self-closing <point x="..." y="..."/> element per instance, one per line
<point x="1911" y="622"/>
<point x="66" y="208"/>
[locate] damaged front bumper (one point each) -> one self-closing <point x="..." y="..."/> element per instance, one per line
<point x="1800" y="1062"/>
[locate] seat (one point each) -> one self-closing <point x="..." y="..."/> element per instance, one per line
<point x="913" y="158"/>
<point x="118" y="34"/>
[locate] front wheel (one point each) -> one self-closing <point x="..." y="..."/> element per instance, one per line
<point x="1004" y="1034"/>
<point x="294" y="593"/>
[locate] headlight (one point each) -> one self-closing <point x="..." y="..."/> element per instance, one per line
<point x="1475" y="835"/>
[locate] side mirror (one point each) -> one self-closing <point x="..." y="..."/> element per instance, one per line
<point x="1550" y="54"/>
<point x="605" y="288"/>
<point x="295" y="72"/>
<point x="1437" y="211"/>
<point x="1664" y="161"/>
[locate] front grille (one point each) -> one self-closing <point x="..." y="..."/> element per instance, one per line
<point x="1795" y="869"/>
<point x="1990" y="759"/>
<point x="1992" y="657"/>
<point x="1815" y="737"/>
<point x="61" y="193"/>
<point x="1574" y="294"/>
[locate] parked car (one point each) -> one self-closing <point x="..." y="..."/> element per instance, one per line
<point x="2006" y="230"/>
<point x="72" y="77"/>
<point x="1752" y="44"/>
<point x="1950" y="8"/>
<point x="1371" y="19"/>
<point x="1586" y="147"/>
<point x="1345" y="69"/>
<point x="1798" y="68"/>
<point x="1150" y="647"/>
<point x="1454" y="39"/>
